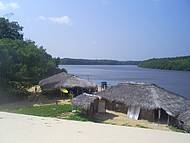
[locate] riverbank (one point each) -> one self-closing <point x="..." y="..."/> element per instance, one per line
<point x="24" y="128"/>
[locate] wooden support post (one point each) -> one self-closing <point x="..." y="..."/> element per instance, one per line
<point x="159" y="115"/>
<point x="168" y="121"/>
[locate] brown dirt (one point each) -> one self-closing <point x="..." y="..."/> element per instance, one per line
<point x="117" y="118"/>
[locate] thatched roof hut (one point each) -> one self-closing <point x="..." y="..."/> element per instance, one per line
<point x="89" y="103"/>
<point x="184" y="119"/>
<point x="64" y="80"/>
<point x="146" y="96"/>
<point x="84" y="100"/>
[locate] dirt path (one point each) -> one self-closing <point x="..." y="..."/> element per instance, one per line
<point x="29" y="129"/>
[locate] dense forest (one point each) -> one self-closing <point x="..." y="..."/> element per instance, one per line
<point x="68" y="61"/>
<point x="22" y="62"/>
<point x="176" y="63"/>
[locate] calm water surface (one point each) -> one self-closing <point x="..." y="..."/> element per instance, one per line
<point x="175" y="81"/>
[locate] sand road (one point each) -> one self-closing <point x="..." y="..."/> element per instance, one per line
<point x="16" y="128"/>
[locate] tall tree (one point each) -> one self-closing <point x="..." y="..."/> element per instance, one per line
<point x="10" y="30"/>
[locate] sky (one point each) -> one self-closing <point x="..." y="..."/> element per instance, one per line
<point x="104" y="29"/>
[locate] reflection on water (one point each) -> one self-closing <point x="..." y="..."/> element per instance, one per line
<point x="176" y="81"/>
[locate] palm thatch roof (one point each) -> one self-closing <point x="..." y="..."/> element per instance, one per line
<point x="185" y="118"/>
<point x="84" y="100"/>
<point x="64" y="80"/>
<point x="147" y="96"/>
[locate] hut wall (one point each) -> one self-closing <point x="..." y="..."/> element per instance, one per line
<point x="101" y="106"/>
<point x="109" y="105"/>
<point x="174" y="122"/>
<point x="118" y="107"/>
<point x="95" y="106"/>
<point x="147" y="115"/>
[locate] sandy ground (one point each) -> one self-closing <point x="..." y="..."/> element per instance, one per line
<point x="117" y="118"/>
<point x="15" y="128"/>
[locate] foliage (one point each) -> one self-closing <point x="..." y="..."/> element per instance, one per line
<point x="10" y="30"/>
<point x="177" y="63"/>
<point x="68" y="61"/>
<point x="22" y="62"/>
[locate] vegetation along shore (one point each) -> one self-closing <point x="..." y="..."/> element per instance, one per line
<point x="175" y="63"/>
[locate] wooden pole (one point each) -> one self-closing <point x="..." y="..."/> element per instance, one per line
<point x="159" y="115"/>
<point x="168" y="121"/>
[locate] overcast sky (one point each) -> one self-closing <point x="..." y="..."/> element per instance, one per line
<point x="105" y="29"/>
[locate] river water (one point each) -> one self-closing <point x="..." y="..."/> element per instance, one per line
<point x="175" y="81"/>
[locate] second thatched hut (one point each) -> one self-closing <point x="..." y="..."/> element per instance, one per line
<point x="184" y="121"/>
<point x="72" y="83"/>
<point x="90" y="103"/>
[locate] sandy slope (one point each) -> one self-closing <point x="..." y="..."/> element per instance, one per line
<point x="16" y="128"/>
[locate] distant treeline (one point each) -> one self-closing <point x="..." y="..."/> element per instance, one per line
<point x="68" y="61"/>
<point x="177" y="63"/>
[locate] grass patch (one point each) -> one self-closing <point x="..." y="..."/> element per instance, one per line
<point x="175" y="129"/>
<point x="45" y="110"/>
<point x="141" y="126"/>
<point x="63" y="111"/>
<point x="77" y="117"/>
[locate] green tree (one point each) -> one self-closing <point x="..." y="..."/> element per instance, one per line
<point x="24" y="61"/>
<point x="176" y="63"/>
<point x="10" y="30"/>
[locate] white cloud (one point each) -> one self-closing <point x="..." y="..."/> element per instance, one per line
<point x="42" y="18"/>
<point x="59" y="20"/>
<point x="8" y="6"/>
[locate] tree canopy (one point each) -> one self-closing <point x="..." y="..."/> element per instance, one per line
<point x="177" y="63"/>
<point x="25" y="61"/>
<point x="10" y="30"/>
<point x="22" y="62"/>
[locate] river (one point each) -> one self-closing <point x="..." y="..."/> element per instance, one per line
<point x="175" y="81"/>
